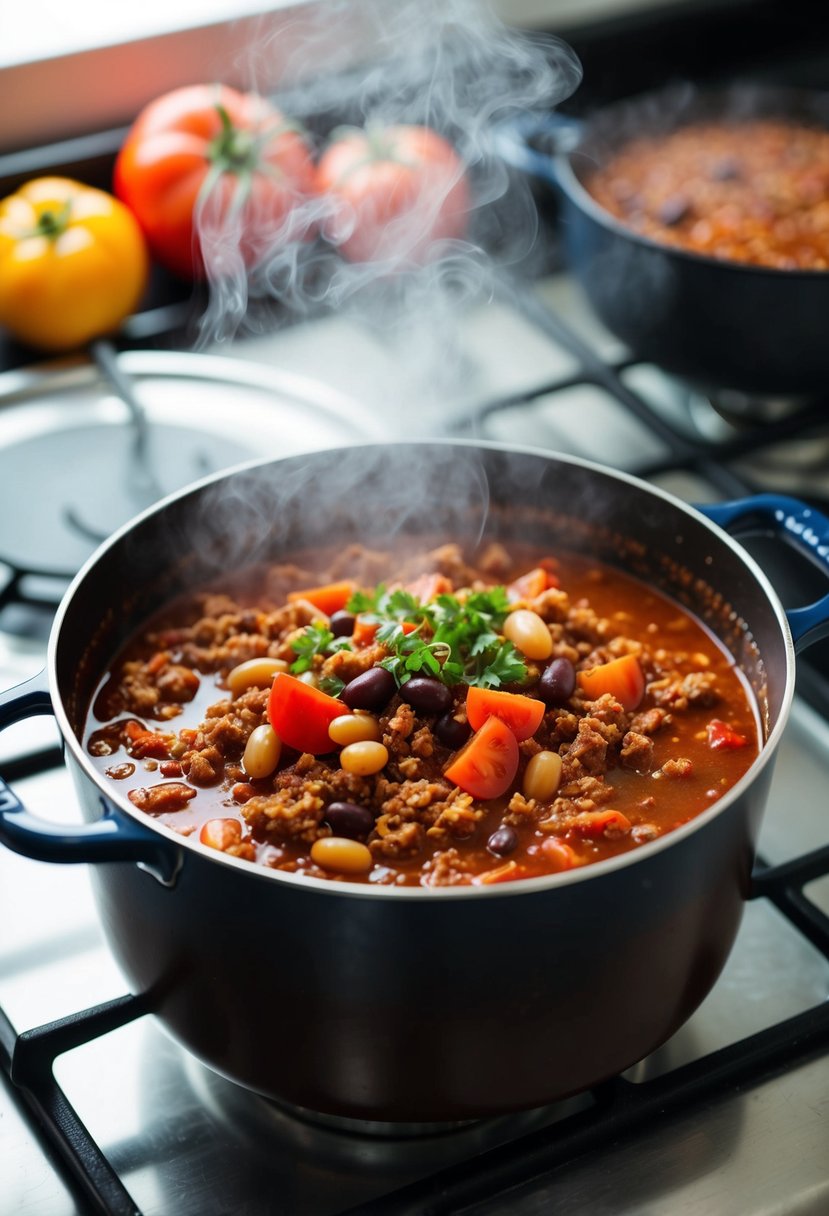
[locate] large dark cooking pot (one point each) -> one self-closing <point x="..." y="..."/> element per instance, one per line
<point x="412" y="1004"/>
<point x="719" y="324"/>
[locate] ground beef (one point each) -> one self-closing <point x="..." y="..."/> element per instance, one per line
<point x="637" y="752"/>
<point x="346" y="665"/>
<point x="676" y="692"/>
<point x="447" y="869"/>
<point x="553" y="606"/>
<point x="399" y="841"/>
<point x="588" y="751"/>
<point x="397" y="727"/>
<point x="289" y="814"/>
<point x="650" y="721"/>
<point x="203" y="767"/>
<point x="177" y="683"/>
<point x="163" y="798"/>
<point x="520" y="810"/>
<point x="680" y="767"/>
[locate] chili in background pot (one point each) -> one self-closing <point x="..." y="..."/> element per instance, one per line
<point x="717" y="323"/>
<point x="401" y="1004"/>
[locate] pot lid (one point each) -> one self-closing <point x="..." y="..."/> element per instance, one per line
<point x="76" y="462"/>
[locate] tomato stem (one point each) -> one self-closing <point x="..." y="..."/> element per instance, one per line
<point x="234" y="149"/>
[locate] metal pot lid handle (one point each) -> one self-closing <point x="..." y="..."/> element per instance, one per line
<point x="113" y="837"/>
<point x="797" y="524"/>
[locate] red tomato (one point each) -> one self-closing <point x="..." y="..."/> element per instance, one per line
<point x="530" y="585"/>
<point x="622" y="678"/>
<point x="486" y="766"/>
<point x="723" y="736"/>
<point x="210" y="173"/>
<point x="521" y="714"/>
<point x="427" y="587"/>
<point x="301" y="715"/>
<point x="393" y="193"/>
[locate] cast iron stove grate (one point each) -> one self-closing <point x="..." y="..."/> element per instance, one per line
<point x="619" y="1108"/>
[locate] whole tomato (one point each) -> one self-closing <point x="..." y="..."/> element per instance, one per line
<point x="212" y="173"/>
<point x="392" y="193"/>
<point x="73" y="263"/>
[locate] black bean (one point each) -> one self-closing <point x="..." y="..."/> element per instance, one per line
<point x="349" y="820"/>
<point x="342" y="624"/>
<point x="503" y="840"/>
<point x="371" y="690"/>
<point x="427" y="695"/>
<point x="674" y="210"/>
<point x="452" y="733"/>
<point x="557" y="682"/>
<point x="726" y="170"/>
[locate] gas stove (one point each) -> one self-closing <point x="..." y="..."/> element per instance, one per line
<point x="100" y="1112"/>
<point x="103" y="1113"/>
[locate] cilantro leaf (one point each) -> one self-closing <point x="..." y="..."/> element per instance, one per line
<point x="314" y="640"/>
<point x="455" y="640"/>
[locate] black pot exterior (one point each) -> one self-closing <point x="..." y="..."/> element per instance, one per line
<point x="432" y="1009"/>
<point x="715" y="323"/>
<point x="445" y="1004"/>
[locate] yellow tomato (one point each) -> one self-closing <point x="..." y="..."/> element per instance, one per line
<point x="73" y="263"/>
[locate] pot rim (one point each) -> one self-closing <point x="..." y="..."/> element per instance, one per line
<point x="520" y="887"/>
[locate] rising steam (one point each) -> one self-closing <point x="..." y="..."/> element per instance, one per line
<point x="445" y="64"/>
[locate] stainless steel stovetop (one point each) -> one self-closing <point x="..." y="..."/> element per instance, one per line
<point x="730" y="1117"/>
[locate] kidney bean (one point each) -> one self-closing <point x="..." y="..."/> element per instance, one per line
<point x="674" y="210"/>
<point x="349" y="820"/>
<point x="452" y="733"/>
<point x="342" y="624"/>
<point x="558" y="680"/>
<point x="504" y="840"/>
<point x="371" y="690"/>
<point x="428" y="695"/>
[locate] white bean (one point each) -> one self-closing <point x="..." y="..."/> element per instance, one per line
<point x="262" y="752"/>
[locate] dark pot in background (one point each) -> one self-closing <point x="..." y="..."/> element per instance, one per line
<point x="718" y="324"/>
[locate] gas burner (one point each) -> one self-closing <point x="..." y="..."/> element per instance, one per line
<point x="744" y="409"/>
<point x="348" y="1159"/>
<point x="76" y="462"/>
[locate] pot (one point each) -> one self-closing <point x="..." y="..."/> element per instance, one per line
<point x="718" y="324"/>
<point x="401" y="1004"/>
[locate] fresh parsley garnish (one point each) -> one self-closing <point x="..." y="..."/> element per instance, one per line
<point x="384" y="606"/>
<point x="333" y="685"/>
<point x="314" y="640"/>
<point x="455" y="640"/>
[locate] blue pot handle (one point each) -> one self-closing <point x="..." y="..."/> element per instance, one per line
<point x="557" y="133"/>
<point x="114" y="837"/>
<point x="801" y="526"/>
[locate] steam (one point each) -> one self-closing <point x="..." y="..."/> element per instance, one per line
<point x="445" y="64"/>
